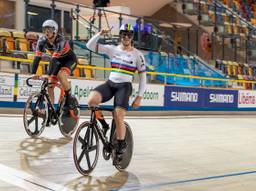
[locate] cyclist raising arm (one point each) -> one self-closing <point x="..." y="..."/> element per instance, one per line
<point x="125" y="61"/>
<point x="63" y="60"/>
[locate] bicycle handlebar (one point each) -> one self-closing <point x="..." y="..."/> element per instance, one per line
<point x="38" y="78"/>
<point x="27" y="82"/>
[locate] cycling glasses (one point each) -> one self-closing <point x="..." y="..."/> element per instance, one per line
<point x="48" y="29"/>
<point x="128" y="34"/>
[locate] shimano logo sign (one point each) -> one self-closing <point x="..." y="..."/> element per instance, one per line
<point x="184" y="96"/>
<point x="221" y="98"/>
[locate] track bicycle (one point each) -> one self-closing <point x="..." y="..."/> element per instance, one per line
<point x="40" y="112"/>
<point x="86" y="142"/>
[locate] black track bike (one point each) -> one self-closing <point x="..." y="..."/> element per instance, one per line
<point x="86" y="144"/>
<point x="40" y="112"/>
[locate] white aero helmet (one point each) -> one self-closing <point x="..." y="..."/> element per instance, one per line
<point x="126" y="27"/>
<point x="52" y="24"/>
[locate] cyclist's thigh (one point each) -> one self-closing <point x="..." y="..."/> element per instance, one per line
<point x="68" y="63"/>
<point x="53" y="69"/>
<point x="122" y="95"/>
<point x="105" y="90"/>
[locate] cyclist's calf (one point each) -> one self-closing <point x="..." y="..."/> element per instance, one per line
<point x="52" y="80"/>
<point x="63" y="78"/>
<point x="119" y="115"/>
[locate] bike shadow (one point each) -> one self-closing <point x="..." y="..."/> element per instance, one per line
<point x="32" y="149"/>
<point x="121" y="180"/>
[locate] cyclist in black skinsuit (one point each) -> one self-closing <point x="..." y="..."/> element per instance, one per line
<point x="63" y="60"/>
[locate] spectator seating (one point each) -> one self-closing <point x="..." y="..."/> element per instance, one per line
<point x="240" y="71"/>
<point x="227" y="23"/>
<point x="182" y="65"/>
<point x="22" y="45"/>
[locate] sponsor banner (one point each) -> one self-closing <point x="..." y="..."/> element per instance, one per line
<point x="246" y="99"/>
<point x="220" y="98"/>
<point x="183" y="97"/>
<point x="82" y="88"/>
<point x="6" y="87"/>
<point x="200" y="98"/>
<point x="153" y="95"/>
<point x="25" y="91"/>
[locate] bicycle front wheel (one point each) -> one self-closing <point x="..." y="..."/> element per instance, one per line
<point x="35" y="114"/>
<point x="86" y="148"/>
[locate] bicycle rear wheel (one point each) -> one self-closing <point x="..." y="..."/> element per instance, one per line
<point x="127" y="156"/>
<point x="86" y="148"/>
<point x="68" y="123"/>
<point x="35" y="114"/>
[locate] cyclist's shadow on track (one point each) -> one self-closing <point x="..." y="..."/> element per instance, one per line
<point x="32" y="149"/>
<point x="118" y="181"/>
<point x="34" y="157"/>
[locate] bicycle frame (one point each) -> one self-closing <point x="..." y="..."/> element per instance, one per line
<point x="44" y="93"/>
<point x="103" y="138"/>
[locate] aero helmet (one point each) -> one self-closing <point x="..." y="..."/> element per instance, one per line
<point x="126" y="28"/>
<point x="52" y="24"/>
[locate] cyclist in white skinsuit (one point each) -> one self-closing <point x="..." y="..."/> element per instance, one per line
<point x="125" y="61"/>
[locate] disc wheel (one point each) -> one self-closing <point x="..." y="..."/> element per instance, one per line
<point x="35" y="115"/>
<point x="86" y="148"/>
<point x="68" y="123"/>
<point x="127" y="156"/>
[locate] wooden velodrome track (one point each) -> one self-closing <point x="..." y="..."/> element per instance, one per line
<point x="183" y="153"/>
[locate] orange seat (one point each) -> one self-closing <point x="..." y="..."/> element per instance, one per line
<point x="235" y="69"/>
<point x="9" y="44"/>
<point x="89" y="73"/>
<point x="76" y="72"/>
<point x="22" y="44"/>
<point x="3" y="35"/>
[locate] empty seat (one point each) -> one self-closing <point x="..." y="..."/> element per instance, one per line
<point x="7" y="41"/>
<point x="88" y="73"/>
<point x="22" y="43"/>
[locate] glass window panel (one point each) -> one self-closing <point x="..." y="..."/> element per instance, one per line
<point x="67" y="24"/>
<point x="37" y="15"/>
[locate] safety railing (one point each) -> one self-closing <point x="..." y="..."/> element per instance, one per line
<point x="229" y="83"/>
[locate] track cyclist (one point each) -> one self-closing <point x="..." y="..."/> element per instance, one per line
<point x="125" y="61"/>
<point x="63" y="60"/>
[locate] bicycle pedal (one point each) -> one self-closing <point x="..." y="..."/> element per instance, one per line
<point x="48" y="124"/>
<point x="117" y="159"/>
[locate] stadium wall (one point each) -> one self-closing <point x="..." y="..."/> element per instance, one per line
<point x="14" y="92"/>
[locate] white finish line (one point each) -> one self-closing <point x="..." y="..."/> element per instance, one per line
<point x="27" y="181"/>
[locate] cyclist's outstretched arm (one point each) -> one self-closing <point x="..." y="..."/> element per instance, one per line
<point x="94" y="46"/>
